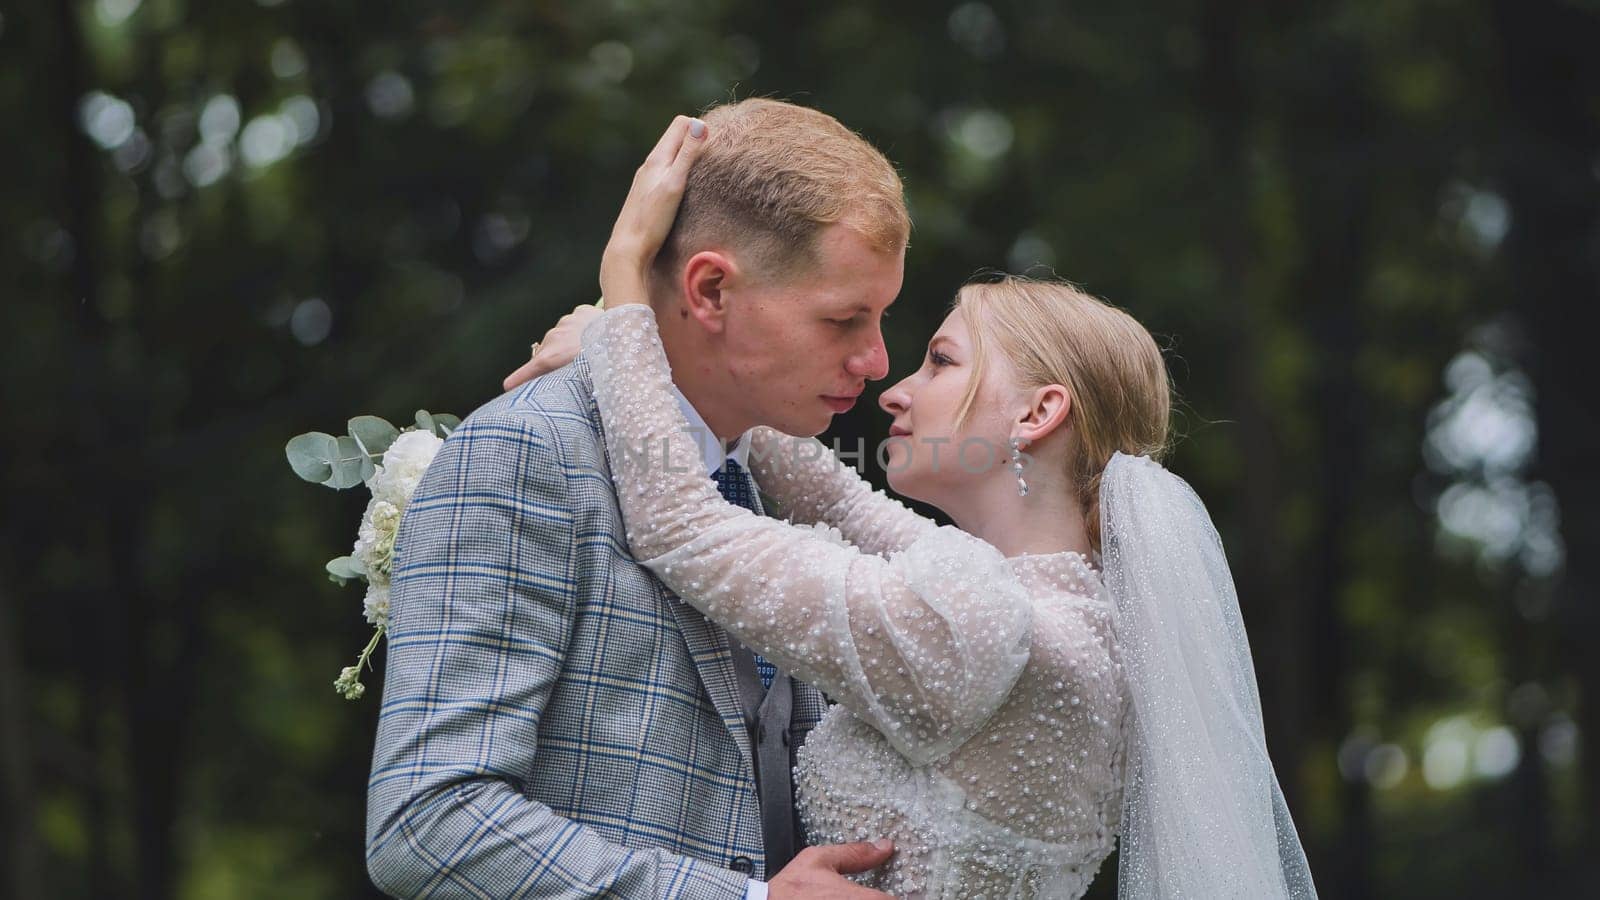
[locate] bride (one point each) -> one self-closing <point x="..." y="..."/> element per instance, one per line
<point x="1066" y="668"/>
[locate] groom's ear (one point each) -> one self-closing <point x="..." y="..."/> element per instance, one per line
<point x="707" y="277"/>
<point x="1046" y="413"/>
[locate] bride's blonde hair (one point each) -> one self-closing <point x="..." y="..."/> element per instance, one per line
<point x="1051" y="332"/>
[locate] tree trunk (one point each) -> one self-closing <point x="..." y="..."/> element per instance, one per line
<point x="1553" y="253"/>
<point x="81" y="193"/>
<point x="1332" y="168"/>
<point x="19" y="860"/>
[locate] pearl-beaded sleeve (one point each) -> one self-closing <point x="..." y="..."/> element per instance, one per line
<point x="808" y="484"/>
<point x="925" y="646"/>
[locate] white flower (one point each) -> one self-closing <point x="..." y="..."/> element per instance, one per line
<point x="375" y="538"/>
<point x="349" y="683"/>
<point x="831" y="534"/>
<point x="403" y="464"/>
<point x="376" y="604"/>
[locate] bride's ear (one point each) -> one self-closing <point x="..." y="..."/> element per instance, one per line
<point x="1047" y="411"/>
<point x="705" y="282"/>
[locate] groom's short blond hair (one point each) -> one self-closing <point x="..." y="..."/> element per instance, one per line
<point x="774" y="175"/>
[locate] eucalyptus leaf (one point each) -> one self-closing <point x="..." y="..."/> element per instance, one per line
<point x="311" y="455"/>
<point x="374" y="434"/>
<point x="444" y="423"/>
<point x="350" y="465"/>
<point x="424" y="420"/>
<point x="345" y="569"/>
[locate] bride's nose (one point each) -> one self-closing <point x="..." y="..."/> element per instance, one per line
<point x="895" y="400"/>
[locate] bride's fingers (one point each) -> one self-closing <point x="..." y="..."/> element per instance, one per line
<point x="650" y="208"/>
<point x="648" y="176"/>
<point x="652" y="203"/>
<point x="528" y="371"/>
<point x="667" y="148"/>
<point x="689" y="149"/>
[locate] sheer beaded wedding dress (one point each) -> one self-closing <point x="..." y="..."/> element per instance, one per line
<point x="982" y="703"/>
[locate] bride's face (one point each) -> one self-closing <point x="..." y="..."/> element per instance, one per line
<point x="928" y="457"/>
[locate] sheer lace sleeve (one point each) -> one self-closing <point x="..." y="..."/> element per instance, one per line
<point x="809" y="484"/>
<point x="925" y="647"/>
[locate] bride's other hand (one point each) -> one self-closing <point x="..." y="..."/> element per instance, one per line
<point x="818" y="872"/>
<point x="648" y="213"/>
<point x="559" y="346"/>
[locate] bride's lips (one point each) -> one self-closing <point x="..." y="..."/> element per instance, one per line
<point x="840" y="404"/>
<point x="896" y="431"/>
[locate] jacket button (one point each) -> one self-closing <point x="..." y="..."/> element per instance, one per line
<point x="744" y="865"/>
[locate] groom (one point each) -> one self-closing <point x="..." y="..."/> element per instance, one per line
<point x="555" y="723"/>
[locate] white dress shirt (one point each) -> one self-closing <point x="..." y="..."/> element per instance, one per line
<point x="712" y="450"/>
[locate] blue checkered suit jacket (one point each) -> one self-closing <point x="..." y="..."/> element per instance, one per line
<point x="555" y="723"/>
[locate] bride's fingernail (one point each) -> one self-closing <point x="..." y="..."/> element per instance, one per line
<point x="697" y="128"/>
<point x="883" y="844"/>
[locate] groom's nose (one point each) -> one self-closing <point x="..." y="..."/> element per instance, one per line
<point x="872" y="361"/>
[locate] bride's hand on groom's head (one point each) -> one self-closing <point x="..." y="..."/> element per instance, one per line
<point x="636" y="238"/>
<point x="559" y="346"/>
<point x="648" y="213"/>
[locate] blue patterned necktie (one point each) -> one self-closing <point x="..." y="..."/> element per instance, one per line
<point x="736" y="487"/>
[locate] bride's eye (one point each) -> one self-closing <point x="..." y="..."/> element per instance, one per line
<point x="938" y="359"/>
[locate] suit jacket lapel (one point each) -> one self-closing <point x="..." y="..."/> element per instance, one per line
<point x="708" y="646"/>
<point x="706" y="641"/>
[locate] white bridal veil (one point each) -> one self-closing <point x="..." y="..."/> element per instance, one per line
<point x="1203" y="815"/>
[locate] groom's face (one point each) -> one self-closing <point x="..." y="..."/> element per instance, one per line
<point x="801" y="349"/>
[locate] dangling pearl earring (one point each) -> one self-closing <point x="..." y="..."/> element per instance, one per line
<point x="1016" y="466"/>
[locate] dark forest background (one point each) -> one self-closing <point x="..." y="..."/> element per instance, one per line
<point x="1367" y="231"/>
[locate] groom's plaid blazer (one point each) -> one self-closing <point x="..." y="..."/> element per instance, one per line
<point x="555" y="723"/>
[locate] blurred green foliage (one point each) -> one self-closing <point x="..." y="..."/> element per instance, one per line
<point x="1356" y="226"/>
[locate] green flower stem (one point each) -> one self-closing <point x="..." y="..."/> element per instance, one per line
<point x="366" y="655"/>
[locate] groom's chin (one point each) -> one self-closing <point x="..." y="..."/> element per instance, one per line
<point x="807" y="423"/>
